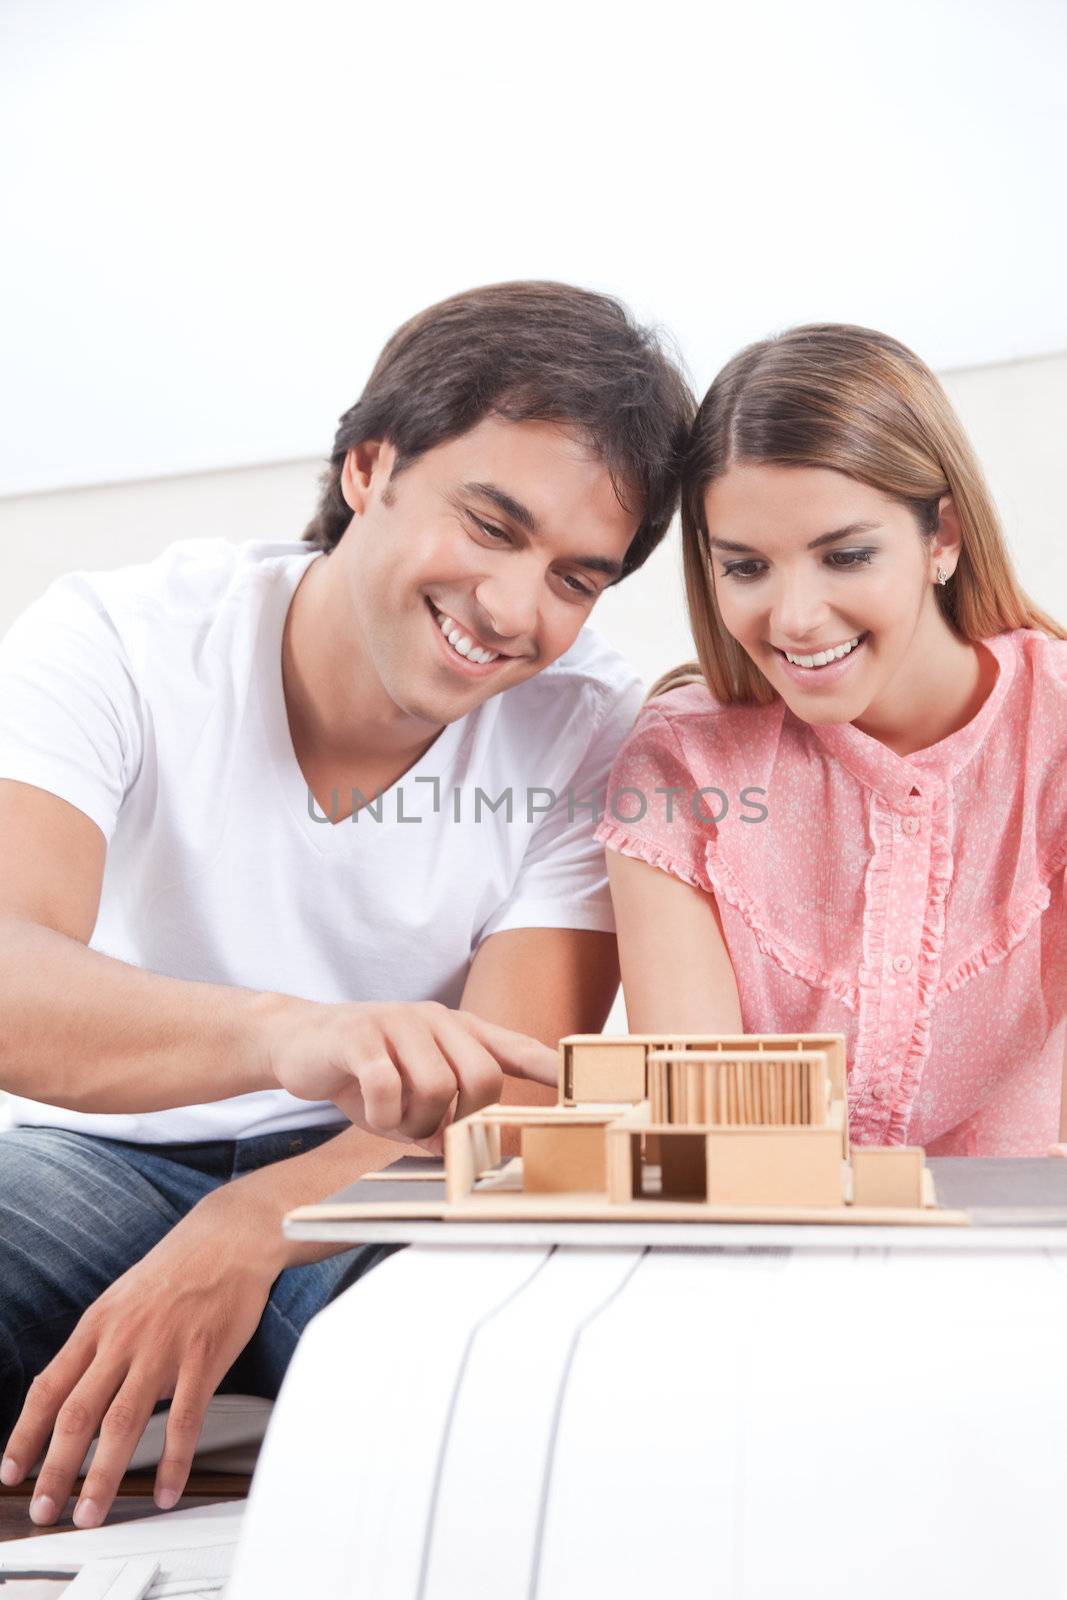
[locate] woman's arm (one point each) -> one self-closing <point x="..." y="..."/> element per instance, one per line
<point x="676" y="972"/>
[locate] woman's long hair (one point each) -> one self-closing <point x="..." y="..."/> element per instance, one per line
<point x="857" y="402"/>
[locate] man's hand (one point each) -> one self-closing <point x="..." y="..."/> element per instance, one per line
<point x="169" y="1328"/>
<point x="400" y="1070"/>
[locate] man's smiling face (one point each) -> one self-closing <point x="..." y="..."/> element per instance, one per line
<point x="498" y="542"/>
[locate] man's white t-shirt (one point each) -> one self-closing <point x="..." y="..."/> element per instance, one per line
<point x="151" y="699"/>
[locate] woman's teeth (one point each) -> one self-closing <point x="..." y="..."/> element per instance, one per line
<point x="822" y="657"/>
<point x="460" y="642"/>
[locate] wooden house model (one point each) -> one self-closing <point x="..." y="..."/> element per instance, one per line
<point x="687" y="1127"/>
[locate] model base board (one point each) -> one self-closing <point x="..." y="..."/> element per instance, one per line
<point x="500" y="1198"/>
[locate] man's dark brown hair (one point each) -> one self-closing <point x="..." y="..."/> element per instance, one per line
<point x="545" y="352"/>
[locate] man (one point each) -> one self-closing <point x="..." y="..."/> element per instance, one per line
<point x="277" y="849"/>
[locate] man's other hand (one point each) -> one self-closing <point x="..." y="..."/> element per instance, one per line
<point x="168" y="1329"/>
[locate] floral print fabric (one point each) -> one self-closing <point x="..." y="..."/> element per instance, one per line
<point x="914" y="904"/>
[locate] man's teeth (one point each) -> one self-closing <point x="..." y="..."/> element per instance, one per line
<point x="463" y="645"/>
<point x="824" y="656"/>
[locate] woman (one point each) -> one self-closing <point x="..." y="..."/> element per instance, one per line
<point x="853" y="815"/>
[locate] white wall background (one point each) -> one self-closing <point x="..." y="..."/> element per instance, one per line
<point x="215" y="211"/>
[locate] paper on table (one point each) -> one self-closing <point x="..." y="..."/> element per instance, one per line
<point x="194" y="1548"/>
<point x="123" y="1578"/>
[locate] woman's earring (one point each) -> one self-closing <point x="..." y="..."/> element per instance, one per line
<point x="942" y="575"/>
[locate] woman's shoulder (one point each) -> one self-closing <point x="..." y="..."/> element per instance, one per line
<point x="1041" y="664"/>
<point x="693" y="704"/>
<point x="1048" y="655"/>
<point x="692" y="716"/>
<point x="687" y="730"/>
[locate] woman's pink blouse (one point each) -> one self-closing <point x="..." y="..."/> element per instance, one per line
<point x="913" y="903"/>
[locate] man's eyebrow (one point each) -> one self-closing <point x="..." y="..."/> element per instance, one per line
<point x="505" y="503"/>
<point x="517" y="512"/>
<point x="847" y="532"/>
<point x="610" y="569"/>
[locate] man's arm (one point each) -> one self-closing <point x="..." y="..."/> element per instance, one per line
<point x="83" y="1030"/>
<point x="79" y="1028"/>
<point x="174" y="1324"/>
<point x="542" y="982"/>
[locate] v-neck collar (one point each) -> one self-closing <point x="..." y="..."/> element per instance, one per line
<point x="419" y="799"/>
<point x="928" y="770"/>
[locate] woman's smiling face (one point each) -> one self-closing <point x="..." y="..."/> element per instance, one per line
<point x="825" y="582"/>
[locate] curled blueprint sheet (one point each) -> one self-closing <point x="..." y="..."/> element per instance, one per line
<point x="545" y="1424"/>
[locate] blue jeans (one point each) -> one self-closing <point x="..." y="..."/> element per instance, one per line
<point x="77" y="1211"/>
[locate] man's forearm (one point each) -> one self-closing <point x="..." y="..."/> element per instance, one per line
<point x="267" y="1195"/>
<point x="86" y="1031"/>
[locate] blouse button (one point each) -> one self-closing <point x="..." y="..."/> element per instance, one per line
<point x="880" y="1091"/>
<point x="910" y="826"/>
<point x="901" y="963"/>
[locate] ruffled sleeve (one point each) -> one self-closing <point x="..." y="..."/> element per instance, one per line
<point x="1047" y="662"/>
<point x="656" y="807"/>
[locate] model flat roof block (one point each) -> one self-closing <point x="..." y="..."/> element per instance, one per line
<point x="592" y="1071"/>
<point x="887" y="1175"/>
<point x="599" y="1071"/>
